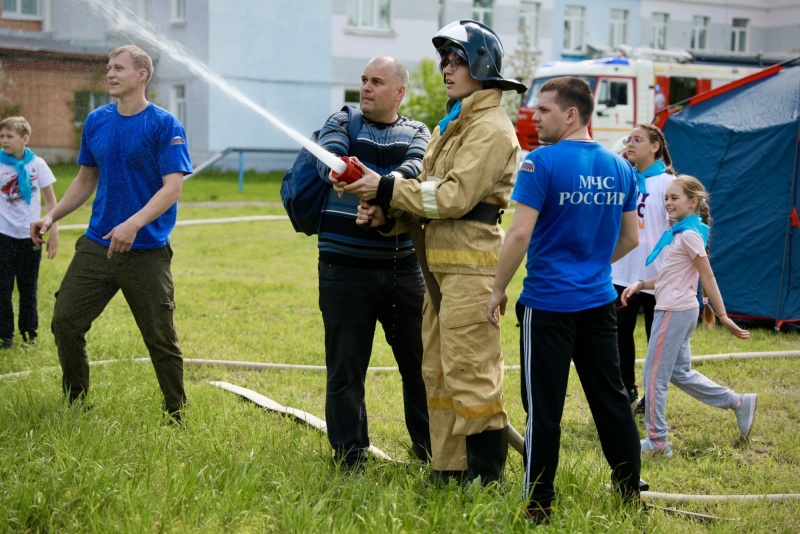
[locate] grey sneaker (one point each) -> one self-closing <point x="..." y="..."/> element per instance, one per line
<point x="648" y="447"/>
<point x="744" y="414"/>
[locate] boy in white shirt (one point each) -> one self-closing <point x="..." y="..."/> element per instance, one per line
<point x="24" y="179"/>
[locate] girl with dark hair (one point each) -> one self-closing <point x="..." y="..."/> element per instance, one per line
<point x="646" y="149"/>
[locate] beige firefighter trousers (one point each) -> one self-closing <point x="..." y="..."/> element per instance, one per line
<point x="462" y="367"/>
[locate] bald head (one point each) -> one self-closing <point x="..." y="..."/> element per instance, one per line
<point x="398" y="68"/>
<point x="383" y="86"/>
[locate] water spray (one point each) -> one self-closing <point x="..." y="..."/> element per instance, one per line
<point x="343" y="169"/>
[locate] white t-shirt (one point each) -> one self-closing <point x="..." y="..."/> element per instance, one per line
<point x="676" y="285"/>
<point x="16" y="215"/>
<point x="653" y="221"/>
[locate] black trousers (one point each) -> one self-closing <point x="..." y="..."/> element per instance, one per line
<point x="19" y="261"/>
<point x="626" y="324"/>
<point x="548" y="342"/>
<point x="353" y="301"/>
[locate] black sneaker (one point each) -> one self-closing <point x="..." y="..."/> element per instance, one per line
<point x="6" y="343"/>
<point x="639" y="410"/>
<point x="538" y="515"/>
<point x="443" y="478"/>
<point x="633" y="393"/>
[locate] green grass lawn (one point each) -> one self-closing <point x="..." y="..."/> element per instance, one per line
<point x="248" y="292"/>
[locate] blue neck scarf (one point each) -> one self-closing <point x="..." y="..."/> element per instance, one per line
<point x="692" y="223"/>
<point x="23" y="176"/>
<point x="653" y="170"/>
<point x="450" y="116"/>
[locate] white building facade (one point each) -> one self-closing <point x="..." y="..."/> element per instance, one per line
<point x="302" y="59"/>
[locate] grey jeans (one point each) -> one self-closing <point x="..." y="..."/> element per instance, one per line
<point x="669" y="360"/>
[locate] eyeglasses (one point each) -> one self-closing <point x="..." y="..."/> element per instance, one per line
<point x="632" y="141"/>
<point x="454" y="62"/>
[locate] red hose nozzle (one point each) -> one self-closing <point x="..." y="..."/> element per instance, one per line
<point x="351" y="173"/>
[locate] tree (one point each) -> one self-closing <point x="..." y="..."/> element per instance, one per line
<point x="6" y="109"/>
<point x="520" y="65"/>
<point x="426" y="95"/>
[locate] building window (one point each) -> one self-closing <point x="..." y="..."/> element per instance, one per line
<point x="658" y="31"/>
<point x="178" y="11"/>
<point x="573" y="28"/>
<point x="739" y="35"/>
<point x="22" y="9"/>
<point x="699" y="32"/>
<point x="482" y="11"/>
<point x="178" y="102"/>
<point x="618" y="33"/>
<point x="529" y="23"/>
<point x="369" y="14"/>
<point x="352" y="97"/>
<point x="85" y="102"/>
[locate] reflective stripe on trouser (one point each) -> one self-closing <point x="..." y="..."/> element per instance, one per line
<point x="462" y="366"/>
<point x="668" y="360"/>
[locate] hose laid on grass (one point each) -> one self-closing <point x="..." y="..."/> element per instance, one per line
<point x="684" y="497"/>
<point x="514" y="441"/>
<point x="321" y="368"/>
<point x="287" y="366"/>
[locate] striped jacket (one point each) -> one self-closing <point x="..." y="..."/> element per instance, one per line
<point x="383" y="148"/>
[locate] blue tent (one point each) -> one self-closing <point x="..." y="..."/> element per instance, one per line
<point x="743" y="142"/>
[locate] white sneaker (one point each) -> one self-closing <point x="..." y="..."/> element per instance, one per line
<point x="745" y="413"/>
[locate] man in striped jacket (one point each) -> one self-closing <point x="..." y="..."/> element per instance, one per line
<point x="366" y="277"/>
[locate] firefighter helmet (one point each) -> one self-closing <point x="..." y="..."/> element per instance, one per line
<point x="483" y="50"/>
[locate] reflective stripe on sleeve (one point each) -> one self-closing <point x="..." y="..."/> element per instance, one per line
<point x="428" y="189"/>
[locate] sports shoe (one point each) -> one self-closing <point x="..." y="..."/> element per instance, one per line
<point x="633" y="393"/>
<point x="648" y="447"/>
<point x="744" y="414"/>
<point x="6" y="343"/>
<point x="538" y="515"/>
<point x="639" y="410"/>
<point x="30" y="337"/>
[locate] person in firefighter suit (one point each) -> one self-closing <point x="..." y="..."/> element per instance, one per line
<point x="465" y="182"/>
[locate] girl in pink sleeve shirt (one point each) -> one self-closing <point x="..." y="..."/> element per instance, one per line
<point x="668" y="359"/>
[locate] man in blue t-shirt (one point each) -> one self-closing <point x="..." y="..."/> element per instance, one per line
<point x="134" y="155"/>
<point x="575" y="215"/>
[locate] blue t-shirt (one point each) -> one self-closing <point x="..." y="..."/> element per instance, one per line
<point x="581" y="190"/>
<point x="132" y="155"/>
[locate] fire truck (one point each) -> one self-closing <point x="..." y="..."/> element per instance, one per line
<point x="627" y="91"/>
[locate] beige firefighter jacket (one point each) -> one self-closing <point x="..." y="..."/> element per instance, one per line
<point x="474" y="161"/>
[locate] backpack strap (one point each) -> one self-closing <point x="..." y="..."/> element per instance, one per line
<point x="355" y="120"/>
